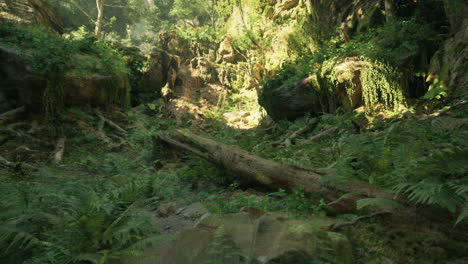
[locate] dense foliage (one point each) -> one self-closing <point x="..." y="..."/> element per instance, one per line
<point x="99" y="204"/>
<point x="48" y="52"/>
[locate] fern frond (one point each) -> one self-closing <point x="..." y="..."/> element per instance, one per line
<point x="377" y="202"/>
<point x="463" y="215"/>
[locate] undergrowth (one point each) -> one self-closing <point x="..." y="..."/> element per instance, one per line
<point x="95" y="208"/>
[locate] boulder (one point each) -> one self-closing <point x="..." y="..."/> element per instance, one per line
<point x="171" y="42"/>
<point x="163" y="70"/>
<point x="283" y="8"/>
<point x="246" y="237"/>
<point x="226" y="51"/>
<point x="204" y="68"/>
<point x="19" y="84"/>
<point x="347" y="83"/>
<point x="291" y="99"/>
<point x="31" y="11"/>
<point x="22" y="85"/>
<point x="449" y="67"/>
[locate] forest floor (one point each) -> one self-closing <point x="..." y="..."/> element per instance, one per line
<point x="117" y="172"/>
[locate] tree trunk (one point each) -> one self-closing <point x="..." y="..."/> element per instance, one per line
<point x="100" y="18"/>
<point x="389" y="10"/>
<point x="45" y="16"/>
<point x="266" y="172"/>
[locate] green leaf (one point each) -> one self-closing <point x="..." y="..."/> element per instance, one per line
<point x="152" y="107"/>
<point x="462" y="216"/>
<point x="378" y="202"/>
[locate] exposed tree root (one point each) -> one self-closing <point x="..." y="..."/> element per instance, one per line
<point x="17" y="166"/>
<point x="322" y="135"/>
<point x="25" y="149"/>
<point x="12" y="115"/>
<point x="99" y="135"/>
<point x="341" y="225"/>
<point x="289" y="140"/>
<point x="104" y="121"/>
<point x="34" y="127"/>
<point x="5" y="139"/>
<point x="21" y="134"/>
<point x="18" y="124"/>
<point x="59" y="151"/>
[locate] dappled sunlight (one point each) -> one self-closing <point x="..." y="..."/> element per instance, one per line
<point x="222" y="131"/>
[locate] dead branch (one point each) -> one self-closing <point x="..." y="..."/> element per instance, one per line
<point x="59" y="150"/>
<point x="289" y="140"/>
<point x="341" y="225"/>
<point x="99" y="135"/>
<point x="12" y="114"/>
<point x="322" y="135"/>
<point x="111" y="124"/>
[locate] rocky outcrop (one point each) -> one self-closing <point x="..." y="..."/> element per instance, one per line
<point x="252" y="237"/>
<point x="226" y="51"/>
<point x="291" y="100"/>
<point x="22" y="85"/>
<point x="31" y="11"/>
<point x="347" y="83"/>
<point x="204" y="69"/>
<point x="19" y="84"/>
<point x="448" y="72"/>
<point x="163" y="71"/>
<point x="284" y="9"/>
<point x="171" y="42"/>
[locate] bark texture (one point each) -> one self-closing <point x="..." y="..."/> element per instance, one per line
<point x="267" y="172"/>
<point x="100" y="18"/>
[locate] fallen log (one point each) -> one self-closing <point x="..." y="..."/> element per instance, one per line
<point x="267" y="172"/>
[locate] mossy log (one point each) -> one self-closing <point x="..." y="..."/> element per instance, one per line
<point x="267" y="172"/>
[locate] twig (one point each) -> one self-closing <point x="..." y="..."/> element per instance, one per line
<point x="340" y="225"/>
<point x="12" y="114"/>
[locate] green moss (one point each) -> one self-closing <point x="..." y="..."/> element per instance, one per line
<point x="383" y="84"/>
<point x="337" y="83"/>
<point x="111" y="93"/>
<point x="53" y="100"/>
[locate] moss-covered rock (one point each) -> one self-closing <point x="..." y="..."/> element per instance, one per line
<point x="448" y="73"/>
<point x="347" y="83"/>
<point x="32" y="11"/>
<point x="23" y="85"/>
<point x="270" y="238"/>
